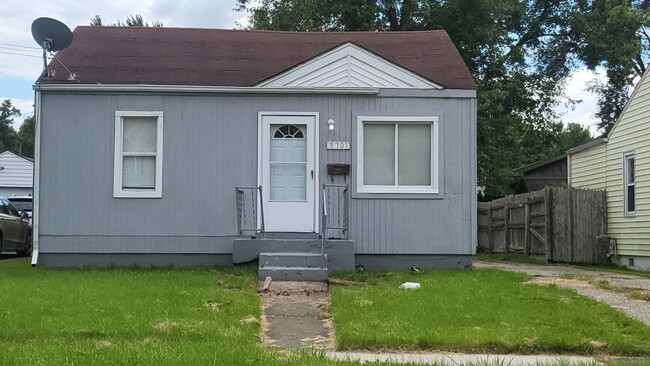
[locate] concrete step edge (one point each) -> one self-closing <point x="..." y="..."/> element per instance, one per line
<point x="309" y="269"/>
<point x="290" y="254"/>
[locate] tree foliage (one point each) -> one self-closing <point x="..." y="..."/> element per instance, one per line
<point x="26" y="136"/>
<point x="21" y="142"/>
<point x="612" y="34"/>
<point x="7" y="132"/>
<point x="131" y="21"/>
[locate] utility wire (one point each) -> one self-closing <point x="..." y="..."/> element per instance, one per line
<point x="19" y="54"/>
<point x="17" y="45"/>
<point x="12" y="48"/>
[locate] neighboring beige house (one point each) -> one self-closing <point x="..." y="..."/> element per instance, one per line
<point x="16" y="175"/>
<point x="620" y="164"/>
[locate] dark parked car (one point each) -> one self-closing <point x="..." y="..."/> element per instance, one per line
<point x="15" y="230"/>
<point x="22" y="204"/>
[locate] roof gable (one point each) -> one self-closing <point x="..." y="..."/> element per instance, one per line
<point x="9" y="155"/>
<point x="349" y="66"/>
<point x="633" y="99"/>
<point x="241" y="58"/>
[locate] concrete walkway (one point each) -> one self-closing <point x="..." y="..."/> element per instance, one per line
<point x="296" y="314"/>
<point x="458" y="359"/>
<point x="582" y="283"/>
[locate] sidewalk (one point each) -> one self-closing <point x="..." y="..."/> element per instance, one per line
<point x="460" y="359"/>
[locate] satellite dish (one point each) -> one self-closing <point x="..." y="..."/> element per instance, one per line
<point x="51" y="35"/>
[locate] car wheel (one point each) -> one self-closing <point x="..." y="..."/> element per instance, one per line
<point x="27" y="249"/>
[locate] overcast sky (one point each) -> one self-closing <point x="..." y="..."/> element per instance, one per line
<point x="18" y="72"/>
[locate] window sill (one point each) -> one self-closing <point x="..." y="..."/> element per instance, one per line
<point x="134" y="194"/>
<point x="397" y="196"/>
<point x="397" y="190"/>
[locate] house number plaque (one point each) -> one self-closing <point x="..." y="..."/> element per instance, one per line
<point x="338" y="145"/>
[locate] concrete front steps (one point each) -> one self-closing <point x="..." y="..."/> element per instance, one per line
<point x="291" y="258"/>
<point x="293" y="266"/>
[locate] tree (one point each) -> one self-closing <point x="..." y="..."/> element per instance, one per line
<point x="131" y="21"/>
<point x="25" y="140"/>
<point x="7" y="132"/>
<point x="574" y="134"/>
<point x="613" y="34"/>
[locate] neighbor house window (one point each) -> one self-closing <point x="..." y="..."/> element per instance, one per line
<point x="397" y="154"/>
<point x="629" y="181"/>
<point x="138" y="154"/>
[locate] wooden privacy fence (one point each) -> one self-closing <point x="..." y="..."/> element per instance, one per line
<point x="564" y="224"/>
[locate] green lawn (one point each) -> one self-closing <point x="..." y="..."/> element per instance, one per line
<point x="478" y="311"/>
<point x="140" y="316"/>
<point x="132" y="316"/>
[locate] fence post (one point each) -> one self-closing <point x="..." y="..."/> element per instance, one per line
<point x="548" y="201"/>
<point x="490" y="232"/>
<point x="506" y="212"/>
<point x="527" y="229"/>
<point x="571" y="221"/>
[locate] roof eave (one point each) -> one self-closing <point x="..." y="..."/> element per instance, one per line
<point x="200" y="89"/>
<point x="537" y="164"/>
<point x="586" y="146"/>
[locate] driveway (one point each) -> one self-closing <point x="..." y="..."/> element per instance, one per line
<point x="616" y="291"/>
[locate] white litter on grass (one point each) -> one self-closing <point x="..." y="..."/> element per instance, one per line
<point x="410" y="286"/>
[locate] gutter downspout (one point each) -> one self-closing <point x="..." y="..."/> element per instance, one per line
<point x="37" y="164"/>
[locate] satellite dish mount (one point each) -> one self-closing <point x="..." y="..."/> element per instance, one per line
<point x="51" y="35"/>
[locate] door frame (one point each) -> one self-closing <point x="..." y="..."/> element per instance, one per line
<point x="260" y="159"/>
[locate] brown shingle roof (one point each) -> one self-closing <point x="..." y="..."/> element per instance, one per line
<point x="215" y="57"/>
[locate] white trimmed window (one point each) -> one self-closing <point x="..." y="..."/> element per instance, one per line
<point x="397" y="154"/>
<point x="629" y="184"/>
<point x="138" y="154"/>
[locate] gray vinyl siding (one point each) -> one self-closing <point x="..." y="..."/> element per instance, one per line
<point x="210" y="146"/>
<point x="16" y="172"/>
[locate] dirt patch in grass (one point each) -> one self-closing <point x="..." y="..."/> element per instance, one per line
<point x="580" y="280"/>
<point x="568" y="282"/>
<point x="631" y="292"/>
<point x="213" y="306"/>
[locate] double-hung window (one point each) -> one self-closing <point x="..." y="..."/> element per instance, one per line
<point x="397" y="154"/>
<point x="138" y="154"/>
<point x="629" y="184"/>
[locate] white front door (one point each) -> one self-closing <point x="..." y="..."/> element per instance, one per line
<point x="288" y="153"/>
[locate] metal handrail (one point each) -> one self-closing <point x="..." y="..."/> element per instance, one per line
<point x="242" y="205"/>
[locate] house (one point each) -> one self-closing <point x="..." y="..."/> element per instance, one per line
<point x="152" y="149"/>
<point x="16" y="175"/>
<point x="618" y="163"/>
<point x="549" y="172"/>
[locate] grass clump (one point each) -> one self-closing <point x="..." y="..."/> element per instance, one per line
<point x="478" y="311"/>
